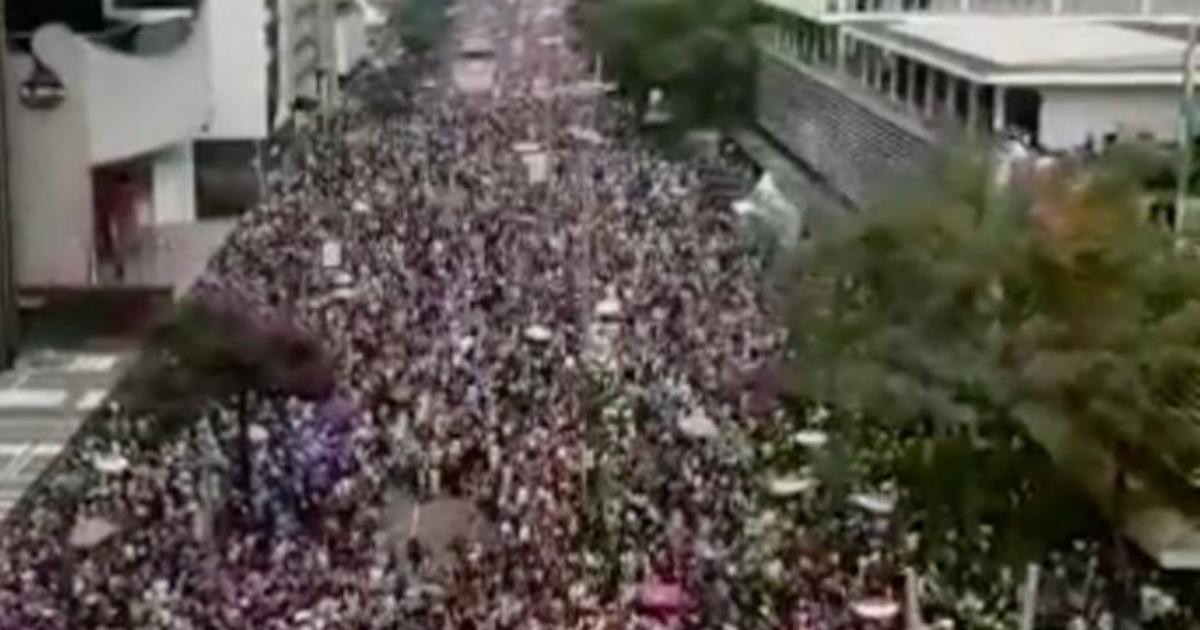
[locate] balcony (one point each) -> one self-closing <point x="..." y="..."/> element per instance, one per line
<point x="127" y="104"/>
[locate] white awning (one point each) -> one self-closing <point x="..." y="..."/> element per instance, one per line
<point x="768" y="204"/>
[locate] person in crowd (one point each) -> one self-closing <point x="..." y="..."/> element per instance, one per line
<point x="472" y="315"/>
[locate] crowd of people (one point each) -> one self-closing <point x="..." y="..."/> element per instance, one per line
<point x="481" y="320"/>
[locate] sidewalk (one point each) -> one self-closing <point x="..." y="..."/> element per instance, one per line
<point x="43" y="401"/>
<point x="804" y="189"/>
<point x="80" y="344"/>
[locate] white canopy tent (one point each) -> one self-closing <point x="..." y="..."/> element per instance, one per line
<point x="767" y="209"/>
<point x="372" y="15"/>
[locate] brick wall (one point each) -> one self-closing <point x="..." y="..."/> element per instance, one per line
<point x="852" y="147"/>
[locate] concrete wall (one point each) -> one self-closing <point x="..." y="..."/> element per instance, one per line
<point x="351" y="40"/>
<point x="855" y="150"/>
<point x="117" y="107"/>
<point x="132" y="104"/>
<point x="174" y="185"/>
<point x="1070" y="115"/>
<point x="1174" y="7"/>
<point x="51" y="187"/>
<point x="326" y="30"/>
<point x="1102" y="6"/>
<point x="238" y="70"/>
<point x="283" y="65"/>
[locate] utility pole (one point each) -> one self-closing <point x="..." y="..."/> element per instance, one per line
<point x="9" y="321"/>
<point x="1187" y="128"/>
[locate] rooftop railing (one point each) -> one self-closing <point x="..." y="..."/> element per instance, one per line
<point x="1064" y="8"/>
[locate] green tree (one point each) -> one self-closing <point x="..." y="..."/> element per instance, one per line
<point x="217" y="348"/>
<point x="699" y="52"/>
<point x="421" y="23"/>
<point x="975" y="323"/>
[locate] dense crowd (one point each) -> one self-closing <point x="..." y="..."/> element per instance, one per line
<point x="481" y="322"/>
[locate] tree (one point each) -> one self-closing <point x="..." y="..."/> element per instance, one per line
<point x="992" y="327"/>
<point x="699" y="52"/>
<point x="217" y="348"/>
<point x="421" y="24"/>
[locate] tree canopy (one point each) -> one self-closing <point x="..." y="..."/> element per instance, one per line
<point x="699" y="52"/>
<point x="421" y="23"/>
<point x="972" y="319"/>
<point x="216" y="346"/>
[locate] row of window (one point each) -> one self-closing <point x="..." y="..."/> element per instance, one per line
<point x="924" y="93"/>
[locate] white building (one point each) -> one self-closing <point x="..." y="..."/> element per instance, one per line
<point x="302" y="50"/>
<point x="860" y="90"/>
<point x="121" y="117"/>
<point x="1063" y="84"/>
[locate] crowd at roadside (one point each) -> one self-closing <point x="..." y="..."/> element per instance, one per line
<point x="473" y="311"/>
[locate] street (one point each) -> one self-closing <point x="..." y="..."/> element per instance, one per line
<point x="502" y="273"/>
<point x="600" y="315"/>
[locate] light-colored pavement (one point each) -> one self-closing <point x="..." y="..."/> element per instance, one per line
<point x="43" y="401"/>
<point x="45" y="398"/>
<point x="436" y="524"/>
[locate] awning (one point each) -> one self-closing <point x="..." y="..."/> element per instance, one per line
<point x="766" y="203"/>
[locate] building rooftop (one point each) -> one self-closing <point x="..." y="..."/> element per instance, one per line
<point x="1046" y="51"/>
<point x="1038" y="42"/>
